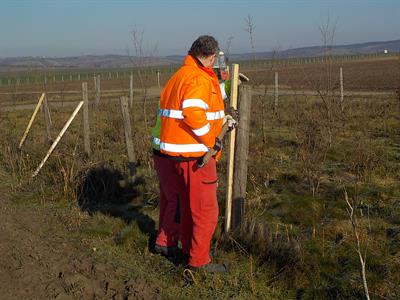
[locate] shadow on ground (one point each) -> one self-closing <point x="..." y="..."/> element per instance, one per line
<point x="104" y="189"/>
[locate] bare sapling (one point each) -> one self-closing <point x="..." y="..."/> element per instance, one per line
<point x="141" y="60"/>
<point x="228" y="46"/>
<point x="249" y="28"/>
<point x="362" y="254"/>
<point x="331" y="107"/>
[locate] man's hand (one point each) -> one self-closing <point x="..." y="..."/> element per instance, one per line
<point x="232" y="123"/>
<point x="234" y="113"/>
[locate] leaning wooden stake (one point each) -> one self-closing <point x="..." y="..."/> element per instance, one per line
<point x="86" y="128"/>
<point x="128" y="138"/>
<point x="53" y="146"/>
<point x="231" y="149"/>
<point x="241" y="156"/>
<point x="39" y="104"/>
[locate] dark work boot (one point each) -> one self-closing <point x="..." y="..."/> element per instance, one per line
<point x="172" y="251"/>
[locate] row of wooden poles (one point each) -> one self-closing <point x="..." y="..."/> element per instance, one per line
<point x="237" y="163"/>
<point x="18" y="81"/>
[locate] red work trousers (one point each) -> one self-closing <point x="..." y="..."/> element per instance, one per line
<point x="169" y="218"/>
<point x="199" y="209"/>
<point x="188" y="196"/>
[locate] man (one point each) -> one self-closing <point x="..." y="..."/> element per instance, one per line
<point x="192" y="115"/>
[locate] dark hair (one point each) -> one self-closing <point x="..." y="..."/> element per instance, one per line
<point x="204" y="46"/>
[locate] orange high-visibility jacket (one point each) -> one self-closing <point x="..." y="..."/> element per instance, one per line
<point x="191" y="110"/>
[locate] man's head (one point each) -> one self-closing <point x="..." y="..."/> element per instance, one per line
<point x="205" y="49"/>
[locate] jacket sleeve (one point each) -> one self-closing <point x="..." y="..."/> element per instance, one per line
<point x="155" y="131"/>
<point x="195" y="104"/>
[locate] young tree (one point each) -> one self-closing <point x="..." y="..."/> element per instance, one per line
<point x="249" y="23"/>
<point x="142" y="59"/>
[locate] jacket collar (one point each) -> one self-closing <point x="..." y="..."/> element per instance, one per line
<point x="192" y="61"/>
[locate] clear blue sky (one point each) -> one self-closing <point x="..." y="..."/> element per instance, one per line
<point x="64" y="28"/>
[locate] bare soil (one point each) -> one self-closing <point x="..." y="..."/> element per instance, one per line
<point x="40" y="260"/>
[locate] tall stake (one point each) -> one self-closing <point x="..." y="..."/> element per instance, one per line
<point x="241" y="156"/>
<point x="231" y="149"/>
<point x="97" y="90"/>
<point x="276" y="90"/>
<point x="341" y="88"/>
<point x="128" y="138"/>
<point x="39" y="104"/>
<point x="86" y="128"/>
<point x="131" y="90"/>
<point x="47" y="119"/>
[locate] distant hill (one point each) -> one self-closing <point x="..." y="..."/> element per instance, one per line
<point x="123" y="61"/>
<point x="108" y="61"/>
<point x="364" y="48"/>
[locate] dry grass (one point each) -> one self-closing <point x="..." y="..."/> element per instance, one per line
<point x="296" y="235"/>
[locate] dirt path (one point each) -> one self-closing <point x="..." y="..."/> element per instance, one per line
<point x="39" y="261"/>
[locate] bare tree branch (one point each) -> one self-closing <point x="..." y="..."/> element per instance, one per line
<point x="250" y="30"/>
<point x="354" y="225"/>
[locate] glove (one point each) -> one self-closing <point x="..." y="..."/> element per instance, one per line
<point x="232" y="123"/>
<point x="218" y="145"/>
<point x="234" y="113"/>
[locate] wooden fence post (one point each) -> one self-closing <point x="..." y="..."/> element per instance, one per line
<point x="241" y="156"/>
<point x="128" y="138"/>
<point x="98" y="92"/>
<point x="131" y="90"/>
<point x="158" y="78"/>
<point x="341" y="88"/>
<point x="86" y="128"/>
<point x="47" y="119"/>
<point x="276" y="90"/>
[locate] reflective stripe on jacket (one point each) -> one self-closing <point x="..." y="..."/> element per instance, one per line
<point x="191" y="111"/>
